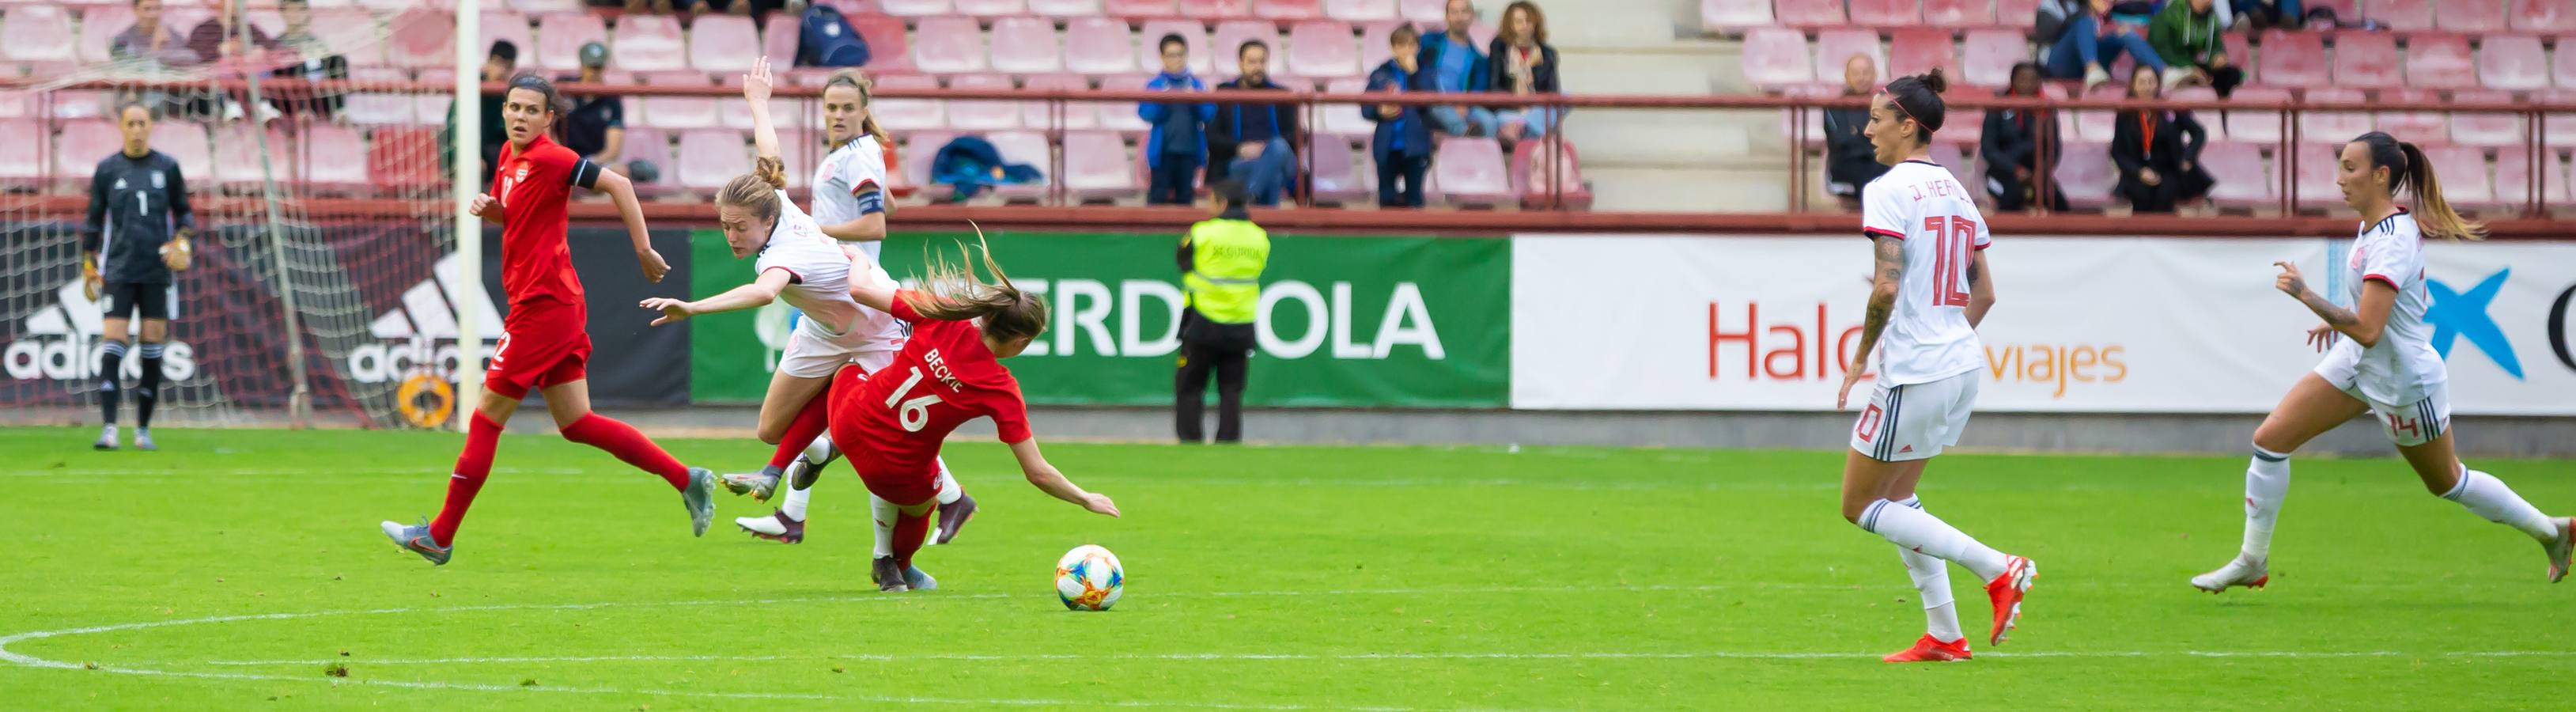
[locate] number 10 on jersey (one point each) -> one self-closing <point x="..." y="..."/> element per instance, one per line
<point x="1952" y="237"/>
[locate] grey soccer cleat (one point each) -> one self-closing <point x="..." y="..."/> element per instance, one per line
<point x="760" y="485"/>
<point x="415" y="538"/>
<point x="887" y="576"/>
<point x="918" y="579"/>
<point x="143" y="440"/>
<point x="106" y="438"/>
<point x="2560" y="549"/>
<point x="700" y="496"/>
<point x="953" y="516"/>
<point x="802" y="473"/>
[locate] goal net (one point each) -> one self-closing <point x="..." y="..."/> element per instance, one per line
<point x="324" y="288"/>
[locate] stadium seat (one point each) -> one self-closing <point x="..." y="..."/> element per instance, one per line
<point x="724" y="44"/>
<point x="1229" y="39"/>
<point x="420" y="39"/>
<point x="1815" y="117"/>
<point x="1122" y="117"/>
<point x="2316" y="175"/>
<point x="1026" y="45"/>
<point x="1836" y="46"/>
<point x="1531" y="164"/>
<point x="435" y="110"/>
<point x="2334" y="125"/>
<point x="1065" y="9"/>
<point x="1810" y="13"/>
<point x="2243" y="179"/>
<point x="2440" y="62"/>
<point x="1915" y="50"/>
<point x="709" y="158"/>
<point x="499" y="25"/>
<point x="890" y="50"/>
<point x="2087" y="175"/>
<point x="1775" y="58"/>
<point x="37" y="35"/>
<point x="237" y="158"/>
<point x="83" y="143"/>
<point x="1345" y="120"/>
<point x="648" y="43"/>
<point x="918" y="151"/>
<point x="405" y="161"/>
<point x="991" y="8"/>
<point x="2098" y="126"/>
<point x="916" y="8"/>
<point x="779" y="38"/>
<point x="677" y="113"/>
<point x="1027" y="147"/>
<point x="982" y="114"/>
<point x="2559" y="125"/>
<point x="1470" y="171"/>
<point x="1288" y="10"/>
<point x="1423" y="11"/>
<point x="948" y="45"/>
<point x="2473" y="16"/>
<point x="1140" y="9"/>
<point x="2367" y="60"/>
<point x="2463" y="173"/>
<point x="1078" y="115"/>
<point x="2513" y="62"/>
<point x="787" y="114"/>
<point x="560" y="37"/>
<point x="2292" y="59"/>
<point x="2209" y="120"/>
<point x="2422" y="124"/>
<point x="2513" y="179"/>
<point x="2017" y="14"/>
<point x="1216" y="10"/>
<point x="1097" y="168"/>
<point x="1149" y="56"/>
<point x="1733" y="16"/>
<point x="2403" y="15"/>
<point x="541" y="7"/>
<point x="1380" y="10"/>
<point x="1322" y="49"/>
<point x="1099" y="45"/>
<point x="2485" y="129"/>
<point x="186" y="142"/>
<point x="1374" y="50"/>
<point x="26" y="167"/>
<point x="644" y="144"/>
<point x="1886" y="13"/>
<point x="380" y="109"/>
<point x="1989" y="55"/>
<point x="99" y="27"/>
<point x="1338" y="178"/>
<point x="20" y="103"/>
<point x="1958" y="13"/>
<point x="2544" y="16"/>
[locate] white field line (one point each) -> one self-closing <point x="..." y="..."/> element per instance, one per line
<point x="281" y="472"/>
<point x="1587" y="655"/>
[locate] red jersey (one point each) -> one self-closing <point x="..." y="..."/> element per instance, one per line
<point x="943" y="377"/>
<point x="533" y="186"/>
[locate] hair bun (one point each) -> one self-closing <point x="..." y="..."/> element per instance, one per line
<point x="1936" y="80"/>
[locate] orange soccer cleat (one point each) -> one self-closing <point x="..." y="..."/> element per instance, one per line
<point x="2007" y="591"/>
<point x="1931" y="650"/>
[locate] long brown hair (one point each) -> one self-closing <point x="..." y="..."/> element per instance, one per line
<point x="952" y="291"/>
<point x="757" y="190"/>
<point x="867" y="100"/>
<point x="1538" y="24"/>
<point x="2406" y="166"/>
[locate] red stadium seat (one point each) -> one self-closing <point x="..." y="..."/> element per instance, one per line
<point x="898" y="114"/>
<point x="1078" y="115"/>
<point x="1097" y="168"/>
<point x="26" y="167"/>
<point x="2086" y="174"/>
<point x="2544" y="16"/>
<point x="1810" y="13"/>
<point x="1729" y="16"/>
<point x="1030" y="148"/>
<point x="1776" y="58"/>
<point x="2513" y="179"/>
<point x="1122" y="117"/>
<point x="1531" y="164"/>
<point x="1065" y="9"/>
<point x="2513" y="63"/>
<point x="949" y="45"/>
<point x="709" y="158"/>
<point x="982" y="114"/>
<point x="1345" y="120"/>
<point x="2463" y="173"/>
<point x="2098" y="126"/>
<point x="724" y="44"/>
<point x="1214" y="10"/>
<point x="2292" y="59"/>
<point x="1429" y="12"/>
<point x="2485" y="129"/>
<point x="1990" y="55"/>
<point x="560" y="37"/>
<point x="20" y="103"/>
<point x="2316" y="175"/>
<point x="1380" y="10"/>
<point x="2440" y="62"/>
<point x="785" y="113"/>
<point x="98" y="30"/>
<point x="916" y="8"/>
<point x="678" y="113"/>
<point x="2243" y="179"/>
<point x="1374" y="50"/>
<point x="501" y="25"/>
<point x="2334" y="125"/>
<point x="648" y="43"/>
<point x="2208" y="119"/>
<point x="2423" y="123"/>
<point x="2403" y="15"/>
<point x="541" y="7"/>
<point x="2560" y="125"/>
<point x="435" y="110"/>
<point x="370" y="109"/>
<point x="1322" y="49"/>
<point x="1149" y="53"/>
<point x="1099" y="45"/>
<point x="1815" y="118"/>
<point x="237" y="158"/>
<point x="1470" y="171"/>
<point x="1140" y="9"/>
<point x="421" y="39"/>
<point x="1886" y="13"/>
<point x="37" y="35"/>
<point x="919" y="149"/>
<point x="1026" y="45"/>
<point x="1958" y="13"/>
<point x="890" y="50"/>
<point x="1231" y="35"/>
<point x="2471" y="15"/>
<point x="779" y="38"/>
<point x="2017" y="14"/>
<point x="2367" y="60"/>
<point x="84" y="143"/>
<point x="1288" y="10"/>
<point x="644" y="144"/>
<point x="991" y="8"/>
<point x="185" y="142"/>
<point x="1915" y="50"/>
<point x="1340" y="180"/>
<point x="405" y="161"/>
<point x="1836" y="47"/>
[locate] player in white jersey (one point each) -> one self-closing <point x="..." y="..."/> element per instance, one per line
<point x="850" y="200"/>
<point x="1929" y="290"/>
<point x="2379" y="359"/>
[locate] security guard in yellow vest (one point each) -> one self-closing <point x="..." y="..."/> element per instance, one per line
<point x="1221" y="261"/>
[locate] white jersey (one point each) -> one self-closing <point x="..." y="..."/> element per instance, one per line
<point x="855" y="167"/>
<point x="819" y="273"/>
<point x="2403" y="367"/>
<point x="1928" y="337"/>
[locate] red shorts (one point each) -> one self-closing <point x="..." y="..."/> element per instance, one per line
<point x="543" y="344"/>
<point x="898" y="483"/>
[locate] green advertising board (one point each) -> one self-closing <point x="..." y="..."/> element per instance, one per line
<point x="1346" y="321"/>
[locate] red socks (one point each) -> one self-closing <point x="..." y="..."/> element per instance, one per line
<point x="810" y="423"/>
<point x="472" y="466"/>
<point x="625" y="442"/>
<point x="909" y="530"/>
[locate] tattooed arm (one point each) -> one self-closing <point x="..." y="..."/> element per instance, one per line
<point x="1888" y="272"/>
<point x="1981" y="290"/>
<point x="2362" y="325"/>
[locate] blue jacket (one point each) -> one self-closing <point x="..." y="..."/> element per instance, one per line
<point x="1413" y="125"/>
<point x="1162" y="114"/>
<point x="1478" y="70"/>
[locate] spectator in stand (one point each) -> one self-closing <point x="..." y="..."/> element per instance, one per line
<point x="2014" y="140"/>
<point x="1850" y="160"/>
<point x="317" y="63"/>
<point x="2082" y="38"/>
<point x="596" y="128"/>
<point x="1456" y="66"/>
<point x="1178" y="147"/>
<point x="1402" y="146"/>
<point x="1252" y="141"/>
<point x="219" y="38"/>
<point x="1523" y="64"/>
<point x="2185" y="35"/>
<point x="2158" y="151"/>
<point x="148" y="39"/>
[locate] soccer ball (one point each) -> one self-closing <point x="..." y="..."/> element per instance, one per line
<point x="1088" y="578"/>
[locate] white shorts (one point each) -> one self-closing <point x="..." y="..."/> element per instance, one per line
<point x="1914" y="422"/>
<point x="2407" y="424"/>
<point x="812" y="356"/>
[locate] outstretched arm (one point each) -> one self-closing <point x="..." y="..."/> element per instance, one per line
<point x="1885" y="276"/>
<point x="759" y="292"/>
<point x="870" y="285"/>
<point x="1047" y="479"/>
<point x="755" y="89"/>
<point x="632" y="212"/>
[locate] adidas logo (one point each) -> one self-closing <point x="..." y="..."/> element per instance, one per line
<point x="421" y="334"/>
<point x="62" y="343"/>
<point x="1907" y="449"/>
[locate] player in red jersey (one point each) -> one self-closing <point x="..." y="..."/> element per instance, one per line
<point x="892" y="422"/>
<point x="544" y="345"/>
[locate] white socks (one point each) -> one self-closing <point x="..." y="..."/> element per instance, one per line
<point x="948" y="489"/>
<point x="820" y="452"/>
<point x="817" y="454"/>
<point x="2267" y="482"/>
<point x="1932" y="582"/>
<point x="2484" y="495"/>
<point x="1918" y="531"/>
<point x="794" y="504"/>
<point x="884" y="513"/>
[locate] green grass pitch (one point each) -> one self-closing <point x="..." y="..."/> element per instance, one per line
<point x="243" y="569"/>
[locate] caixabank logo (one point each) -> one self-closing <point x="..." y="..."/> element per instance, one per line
<point x="2480" y="316"/>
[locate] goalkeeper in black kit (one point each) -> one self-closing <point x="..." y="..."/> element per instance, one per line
<point x="136" y="239"/>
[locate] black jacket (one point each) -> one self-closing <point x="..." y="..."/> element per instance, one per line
<point x="1499" y="69"/>
<point x="1236" y="123"/>
<point x="1850" y="161"/>
<point x="135" y="205"/>
<point x="2013" y="137"/>
<point x="2178" y="138"/>
<point x="1412" y="124"/>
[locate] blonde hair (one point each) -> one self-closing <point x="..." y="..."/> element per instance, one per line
<point x="953" y="291"/>
<point x="757" y="190"/>
<point x="853" y="79"/>
<point x="2434" y="216"/>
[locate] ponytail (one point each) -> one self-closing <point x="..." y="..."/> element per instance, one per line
<point x="952" y="291"/>
<point x="757" y="190"/>
<point x="1918" y="98"/>
<point x="2407" y="166"/>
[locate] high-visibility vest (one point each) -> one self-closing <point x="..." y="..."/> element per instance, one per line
<point x="1227" y="256"/>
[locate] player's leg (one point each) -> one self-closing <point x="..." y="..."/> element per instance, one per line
<point x="954" y="506"/>
<point x="569" y="402"/>
<point x="2312" y="407"/>
<point x="1943" y="640"/>
<point x="147" y="388"/>
<point x="1890" y="445"/>
<point x="1189" y="389"/>
<point x="435" y="540"/>
<point x="115" y="325"/>
<point x="792" y="413"/>
<point x="892" y="568"/>
<point x="1231" y="363"/>
<point x="2424" y="438"/>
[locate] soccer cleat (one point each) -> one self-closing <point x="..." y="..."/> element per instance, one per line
<point x="2560" y="549"/>
<point x="953" y="515"/>
<point x="2007" y="591"/>
<point x="143" y="440"/>
<point x="803" y="472"/>
<point x="760" y="485"/>
<point x="918" y="579"/>
<point x="700" y="496"/>
<point x="415" y="538"/>
<point x="106" y="438"/>
<point x="887" y="576"/>
<point x="2237" y="572"/>
<point x="1931" y="650"/>
<point x="775" y="527"/>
